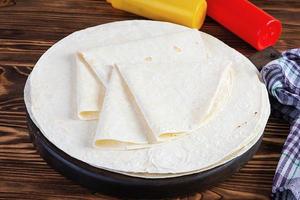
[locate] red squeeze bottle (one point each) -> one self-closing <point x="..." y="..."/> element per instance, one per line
<point x="249" y="22"/>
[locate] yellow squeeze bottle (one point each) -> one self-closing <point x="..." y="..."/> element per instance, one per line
<point x="189" y="13"/>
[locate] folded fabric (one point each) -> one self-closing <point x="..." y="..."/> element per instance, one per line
<point x="282" y="78"/>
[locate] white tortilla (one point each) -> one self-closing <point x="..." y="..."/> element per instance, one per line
<point x="243" y="147"/>
<point x="90" y="91"/>
<point x="121" y="124"/>
<point x="184" y="45"/>
<point x="50" y="102"/>
<point x="166" y="113"/>
<point x="176" y="98"/>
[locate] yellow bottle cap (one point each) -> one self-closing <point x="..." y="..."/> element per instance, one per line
<point x="189" y="13"/>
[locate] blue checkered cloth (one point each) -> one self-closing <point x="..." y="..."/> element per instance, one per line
<point x="282" y="78"/>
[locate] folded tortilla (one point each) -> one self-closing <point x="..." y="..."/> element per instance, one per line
<point x="173" y="97"/>
<point x="90" y="91"/>
<point x="186" y="45"/>
<point x="88" y="103"/>
<point x="121" y="123"/>
<point x="170" y="48"/>
<point x="176" y="98"/>
<point x="256" y="134"/>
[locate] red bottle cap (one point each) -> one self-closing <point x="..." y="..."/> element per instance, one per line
<point x="249" y="22"/>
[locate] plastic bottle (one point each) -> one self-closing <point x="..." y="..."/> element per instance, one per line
<point x="189" y="13"/>
<point x="249" y="22"/>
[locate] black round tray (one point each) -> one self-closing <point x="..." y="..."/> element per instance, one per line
<point x="99" y="180"/>
<point x="110" y="183"/>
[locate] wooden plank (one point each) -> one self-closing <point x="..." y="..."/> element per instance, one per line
<point x="29" y="27"/>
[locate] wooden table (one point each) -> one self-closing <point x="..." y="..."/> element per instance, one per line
<point x="29" y="27"/>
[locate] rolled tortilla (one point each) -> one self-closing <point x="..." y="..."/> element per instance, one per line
<point x="90" y="91"/>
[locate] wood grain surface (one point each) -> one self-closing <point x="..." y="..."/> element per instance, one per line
<point x="29" y="27"/>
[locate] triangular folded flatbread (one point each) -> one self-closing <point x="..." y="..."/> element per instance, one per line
<point x="161" y="97"/>
<point x="176" y="98"/>
<point x="121" y="123"/>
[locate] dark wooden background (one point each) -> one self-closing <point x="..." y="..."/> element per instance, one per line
<point x="29" y="27"/>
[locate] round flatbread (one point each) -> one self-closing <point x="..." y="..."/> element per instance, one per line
<point x="51" y="101"/>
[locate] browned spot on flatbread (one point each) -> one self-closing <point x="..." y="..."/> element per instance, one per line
<point x="177" y="49"/>
<point x="148" y="59"/>
<point x="244" y="123"/>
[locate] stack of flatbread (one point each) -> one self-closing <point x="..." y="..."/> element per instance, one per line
<point x="149" y="99"/>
